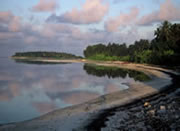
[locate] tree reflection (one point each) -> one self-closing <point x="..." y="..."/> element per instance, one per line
<point x="114" y="72"/>
<point x="38" y="62"/>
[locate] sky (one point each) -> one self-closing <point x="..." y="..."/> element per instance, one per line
<point x="71" y="25"/>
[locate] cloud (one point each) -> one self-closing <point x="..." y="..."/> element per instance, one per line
<point x="10" y="26"/>
<point x="7" y="35"/>
<point x="92" y="11"/>
<point x="5" y="16"/>
<point x="168" y="11"/>
<point x="50" y="36"/>
<point x="15" y="24"/>
<point x="18" y="35"/>
<point x="30" y="39"/>
<point x="7" y="19"/>
<point x="53" y="30"/>
<point x="118" y="1"/>
<point x="45" y="6"/>
<point x="123" y="19"/>
<point x="12" y="29"/>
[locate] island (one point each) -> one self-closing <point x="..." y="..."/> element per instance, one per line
<point x="45" y="55"/>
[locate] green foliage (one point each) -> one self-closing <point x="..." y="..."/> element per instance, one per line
<point x="143" y="57"/>
<point x="167" y="37"/>
<point x="107" y="50"/>
<point x="54" y="55"/>
<point x="103" y="57"/>
<point x="108" y="58"/>
<point x="115" y="51"/>
<point x="164" y="49"/>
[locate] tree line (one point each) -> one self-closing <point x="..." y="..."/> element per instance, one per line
<point x="164" y="49"/>
<point x="45" y="54"/>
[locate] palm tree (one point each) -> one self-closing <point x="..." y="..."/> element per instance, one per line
<point x="163" y="33"/>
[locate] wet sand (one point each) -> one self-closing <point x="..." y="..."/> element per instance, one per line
<point x="76" y="117"/>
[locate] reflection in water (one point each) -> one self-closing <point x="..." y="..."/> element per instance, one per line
<point x="37" y="62"/>
<point x="6" y="94"/>
<point x="79" y="97"/>
<point x="113" y="72"/>
<point x="44" y="107"/>
<point x="28" y="91"/>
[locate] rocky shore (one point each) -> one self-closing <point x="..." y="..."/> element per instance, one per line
<point x="160" y="112"/>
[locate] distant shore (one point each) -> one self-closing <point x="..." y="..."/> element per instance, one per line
<point x="122" y="64"/>
<point x="76" y="116"/>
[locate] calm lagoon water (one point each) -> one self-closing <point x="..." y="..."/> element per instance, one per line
<point x="28" y="90"/>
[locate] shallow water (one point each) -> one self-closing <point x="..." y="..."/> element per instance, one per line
<point x="28" y="90"/>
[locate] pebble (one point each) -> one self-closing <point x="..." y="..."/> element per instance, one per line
<point x="152" y="112"/>
<point x="147" y="104"/>
<point x="162" y="115"/>
<point x="162" y="108"/>
<point x="161" y="112"/>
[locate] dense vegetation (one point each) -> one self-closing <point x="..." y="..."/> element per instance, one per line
<point x="54" y="55"/>
<point x="164" y="49"/>
<point x="115" y="72"/>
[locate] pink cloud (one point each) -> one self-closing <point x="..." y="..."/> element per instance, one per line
<point x="30" y="39"/>
<point x="113" y="24"/>
<point x="15" y="24"/>
<point x="59" y="29"/>
<point x="92" y="11"/>
<point x="6" y="35"/>
<point x="167" y="11"/>
<point x="10" y="35"/>
<point x="45" y="6"/>
<point x="5" y="16"/>
<point x="12" y="22"/>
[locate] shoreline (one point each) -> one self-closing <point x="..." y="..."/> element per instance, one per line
<point x="77" y="115"/>
<point x="161" y="113"/>
<point x="122" y="64"/>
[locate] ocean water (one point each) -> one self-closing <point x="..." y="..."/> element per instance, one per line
<point x="28" y="89"/>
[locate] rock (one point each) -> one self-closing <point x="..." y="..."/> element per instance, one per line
<point x="162" y="108"/>
<point x="152" y="112"/>
<point x="176" y="116"/>
<point x="169" y="106"/>
<point x="161" y="112"/>
<point x="147" y="104"/>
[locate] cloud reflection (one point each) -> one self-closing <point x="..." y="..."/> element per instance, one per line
<point x="47" y="87"/>
<point x="79" y="97"/>
<point x="9" y="91"/>
<point x="44" y="107"/>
